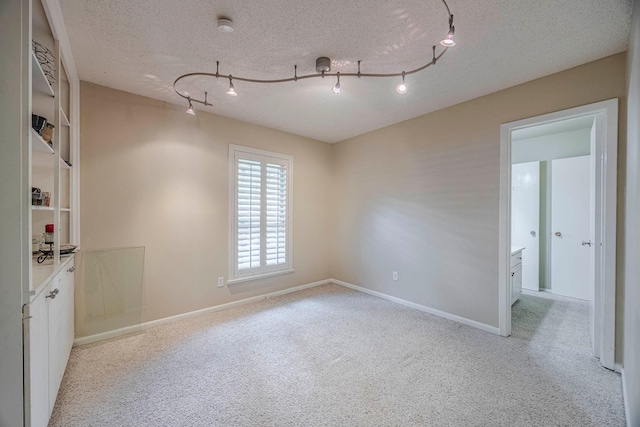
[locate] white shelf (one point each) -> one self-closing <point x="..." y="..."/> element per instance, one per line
<point x="42" y="208"/>
<point x="65" y="210"/>
<point x="64" y="164"/>
<point x="39" y="144"/>
<point x="38" y="79"/>
<point x="63" y="118"/>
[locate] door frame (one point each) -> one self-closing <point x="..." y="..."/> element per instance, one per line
<point x="606" y="113"/>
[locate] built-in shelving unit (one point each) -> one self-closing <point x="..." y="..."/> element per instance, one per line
<point x="52" y="98"/>
<point x="48" y="288"/>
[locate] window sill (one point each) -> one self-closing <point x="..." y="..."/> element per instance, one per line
<point x="259" y="276"/>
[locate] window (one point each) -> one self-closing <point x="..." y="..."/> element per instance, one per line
<point x="260" y="213"/>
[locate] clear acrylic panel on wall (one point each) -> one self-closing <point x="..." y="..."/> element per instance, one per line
<point x="111" y="294"/>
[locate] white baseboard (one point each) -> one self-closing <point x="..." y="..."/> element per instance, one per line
<point x="449" y="316"/>
<point x="146" y="325"/>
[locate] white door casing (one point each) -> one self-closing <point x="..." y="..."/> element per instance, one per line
<point x="595" y="188"/>
<point x="525" y="219"/>
<point x="570" y="207"/>
<point x="606" y="114"/>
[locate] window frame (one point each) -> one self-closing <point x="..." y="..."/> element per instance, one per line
<point x="237" y="152"/>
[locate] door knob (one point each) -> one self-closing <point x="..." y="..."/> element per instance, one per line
<point x="559" y="234"/>
<point x="586" y="243"/>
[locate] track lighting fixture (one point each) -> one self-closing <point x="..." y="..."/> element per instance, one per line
<point x="402" y="87"/>
<point x="190" y="109"/>
<point x="323" y="68"/>
<point x="336" y="88"/>
<point x="231" y="91"/>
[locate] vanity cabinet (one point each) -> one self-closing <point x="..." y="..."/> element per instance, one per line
<point x="516" y="274"/>
<point x="48" y="334"/>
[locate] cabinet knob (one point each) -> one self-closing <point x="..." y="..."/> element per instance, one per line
<point x="53" y="293"/>
<point x="71" y="270"/>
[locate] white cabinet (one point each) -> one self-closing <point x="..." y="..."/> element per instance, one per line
<point x="516" y="274"/>
<point x="49" y="335"/>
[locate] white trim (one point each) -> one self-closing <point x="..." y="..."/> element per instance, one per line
<point x="443" y="314"/>
<point x="608" y="111"/>
<point x="56" y="18"/>
<point x="625" y="394"/>
<point x="259" y="276"/>
<point x="146" y="325"/>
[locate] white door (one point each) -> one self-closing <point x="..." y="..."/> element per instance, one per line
<point x="570" y="209"/>
<point x="525" y="219"/>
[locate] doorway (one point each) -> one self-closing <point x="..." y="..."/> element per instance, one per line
<point x="601" y="164"/>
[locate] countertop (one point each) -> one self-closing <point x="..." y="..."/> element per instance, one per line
<point x="515" y="249"/>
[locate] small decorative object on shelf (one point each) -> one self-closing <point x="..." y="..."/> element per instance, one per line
<point x="46" y="198"/>
<point x="47" y="61"/>
<point x="38" y="123"/>
<point x="36" y="196"/>
<point x="47" y="132"/>
<point x="48" y="234"/>
<point x="48" y="240"/>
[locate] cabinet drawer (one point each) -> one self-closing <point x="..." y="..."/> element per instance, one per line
<point x="516" y="259"/>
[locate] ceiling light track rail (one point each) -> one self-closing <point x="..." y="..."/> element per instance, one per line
<point x="323" y="68"/>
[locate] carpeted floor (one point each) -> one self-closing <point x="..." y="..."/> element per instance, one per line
<point x="330" y="356"/>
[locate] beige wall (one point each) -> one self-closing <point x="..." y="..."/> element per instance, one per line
<point x="421" y="197"/>
<point x="632" y="242"/>
<point x="156" y="177"/>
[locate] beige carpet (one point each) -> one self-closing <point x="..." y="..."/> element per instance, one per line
<point x="330" y="356"/>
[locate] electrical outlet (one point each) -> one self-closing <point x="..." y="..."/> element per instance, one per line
<point x="220" y="282"/>
<point x="395" y="275"/>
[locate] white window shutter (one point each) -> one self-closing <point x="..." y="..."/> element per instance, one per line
<point x="276" y="214"/>
<point x="260" y="213"/>
<point x="249" y="189"/>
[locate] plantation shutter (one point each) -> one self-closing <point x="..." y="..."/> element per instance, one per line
<point x="249" y="189"/>
<point x="261" y="213"/>
<point x="276" y="214"/>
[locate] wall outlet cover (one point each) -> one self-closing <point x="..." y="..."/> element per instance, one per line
<point x="220" y="282"/>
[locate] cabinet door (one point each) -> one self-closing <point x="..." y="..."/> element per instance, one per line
<point x="60" y="329"/>
<point x="56" y="336"/>
<point x="516" y="283"/>
<point x="36" y="354"/>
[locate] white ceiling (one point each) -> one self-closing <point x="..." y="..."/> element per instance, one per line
<point x="142" y="46"/>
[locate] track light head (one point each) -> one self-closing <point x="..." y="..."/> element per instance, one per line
<point x="336" y="89"/>
<point x="448" y="41"/>
<point x="190" y="109"/>
<point x="402" y="87"/>
<point x="232" y="90"/>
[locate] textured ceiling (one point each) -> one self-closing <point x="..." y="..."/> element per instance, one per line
<point x="142" y="46"/>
